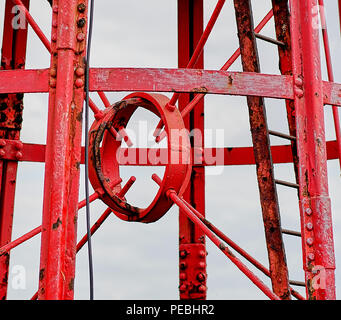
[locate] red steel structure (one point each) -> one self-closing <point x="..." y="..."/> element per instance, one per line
<point x="183" y="184"/>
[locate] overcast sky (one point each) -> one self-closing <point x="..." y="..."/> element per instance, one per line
<point x="138" y="261"/>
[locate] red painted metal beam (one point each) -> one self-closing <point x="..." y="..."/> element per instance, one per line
<point x="11" y="116"/>
<point x="63" y="152"/>
<point x="315" y="208"/>
<point x="191" y="238"/>
<point x="211" y="157"/>
<point x="170" y="80"/>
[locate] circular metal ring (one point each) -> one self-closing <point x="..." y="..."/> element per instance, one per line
<point x="104" y="163"/>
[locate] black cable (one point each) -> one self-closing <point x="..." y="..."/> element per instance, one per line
<point x="86" y="129"/>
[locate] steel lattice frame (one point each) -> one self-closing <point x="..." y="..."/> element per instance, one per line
<point x="300" y="84"/>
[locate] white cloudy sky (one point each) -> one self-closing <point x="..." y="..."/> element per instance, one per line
<point x="137" y="261"/>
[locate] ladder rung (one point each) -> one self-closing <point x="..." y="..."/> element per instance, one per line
<point x="288" y="184"/>
<point x="268" y="39"/>
<point x="282" y="135"/>
<point x="297" y="283"/>
<point x="291" y="232"/>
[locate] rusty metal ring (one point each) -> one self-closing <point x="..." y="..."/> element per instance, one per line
<point x="104" y="164"/>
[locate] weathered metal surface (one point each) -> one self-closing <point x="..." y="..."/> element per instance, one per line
<point x="11" y="115"/>
<point x="261" y="144"/>
<point x="63" y="152"/>
<point x="305" y="94"/>
<point x="190" y="30"/>
<point x="315" y="210"/>
<point x="104" y="167"/>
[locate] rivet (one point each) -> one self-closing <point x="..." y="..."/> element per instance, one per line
<point x="201" y="265"/>
<point x="311" y="256"/>
<point x="309" y="226"/>
<point x="298" y="81"/>
<point x="202" y="254"/>
<point x="54" y="37"/>
<point x="201" y="277"/>
<point x="182" y="288"/>
<point x="298" y="92"/>
<point x="18" y="145"/>
<point x="2" y="143"/>
<point x="18" y="155"/>
<point x="183" y="276"/>
<point x="55" y="8"/>
<point x="202" y="288"/>
<point x="55" y="24"/>
<point x="183" y="253"/>
<point x="81" y="7"/>
<point x="308" y="211"/>
<point x="310" y="241"/>
<point x="53" y="82"/>
<point x="81" y="23"/>
<point x="80" y="72"/>
<point x="79" y="83"/>
<point x="2" y="153"/>
<point x="80" y="36"/>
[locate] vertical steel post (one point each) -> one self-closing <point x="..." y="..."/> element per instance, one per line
<point x="192" y="240"/>
<point x="11" y="112"/>
<point x="63" y="150"/>
<point x="282" y="28"/>
<point x="261" y="146"/>
<point x="315" y="208"/>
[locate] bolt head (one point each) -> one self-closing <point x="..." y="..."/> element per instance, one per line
<point x="310" y="241"/>
<point x="309" y="226"/>
<point x="80" y="72"/>
<point x="182" y="288"/>
<point x="183" y="254"/>
<point x="18" y="155"/>
<point x="80" y="36"/>
<point x="202" y="253"/>
<point x="81" y="7"/>
<point x="183" y="276"/>
<point x="53" y="83"/>
<point x="308" y="211"/>
<point x="18" y="145"/>
<point x="79" y="83"/>
<point x="202" y="289"/>
<point x="201" y="277"/>
<point x="311" y="256"/>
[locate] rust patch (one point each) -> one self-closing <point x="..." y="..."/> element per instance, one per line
<point x="200" y="90"/>
<point x="41" y="274"/>
<point x="56" y="224"/>
<point x="79" y="116"/>
<point x="72" y="284"/>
